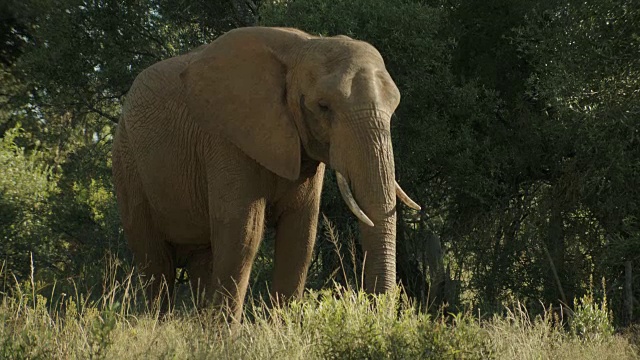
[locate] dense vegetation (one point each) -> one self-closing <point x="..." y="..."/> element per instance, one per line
<point x="518" y="133"/>
<point x="338" y="324"/>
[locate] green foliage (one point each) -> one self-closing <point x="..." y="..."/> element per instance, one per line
<point x="65" y="219"/>
<point x="26" y="180"/>
<point x="24" y="188"/>
<point x="354" y="325"/>
<point x="100" y="332"/>
<point x="591" y="320"/>
<point x="586" y="75"/>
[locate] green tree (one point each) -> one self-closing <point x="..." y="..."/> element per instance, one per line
<point x="588" y="70"/>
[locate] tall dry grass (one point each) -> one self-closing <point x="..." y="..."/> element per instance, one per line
<point x="115" y="322"/>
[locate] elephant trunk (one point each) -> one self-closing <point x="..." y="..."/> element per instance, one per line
<point x="365" y="157"/>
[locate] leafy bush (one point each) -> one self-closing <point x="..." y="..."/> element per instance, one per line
<point x="25" y="185"/>
<point x="591" y="320"/>
<point x="354" y="325"/>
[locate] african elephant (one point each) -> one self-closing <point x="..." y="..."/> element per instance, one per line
<point x="212" y="142"/>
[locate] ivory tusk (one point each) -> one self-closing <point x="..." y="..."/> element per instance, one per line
<point x="347" y="196"/>
<point x="405" y="198"/>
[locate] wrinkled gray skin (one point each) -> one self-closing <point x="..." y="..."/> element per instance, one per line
<point x="210" y="140"/>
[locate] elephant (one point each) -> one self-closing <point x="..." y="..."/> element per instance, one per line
<point x="213" y="142"/>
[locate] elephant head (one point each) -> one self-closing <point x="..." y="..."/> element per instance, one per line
<point x="277" y="92"/>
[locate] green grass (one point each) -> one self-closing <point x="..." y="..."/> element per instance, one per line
<point x="326" y="325"/>
<point x="331" y="324"/>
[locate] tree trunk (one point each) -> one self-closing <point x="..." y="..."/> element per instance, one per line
<point x="555" y="251"/>
<point x="410" y="273"/>
<point x="435" y="260"/>
<point x="628" y="292"/>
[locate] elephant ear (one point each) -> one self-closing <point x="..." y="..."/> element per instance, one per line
<point x="237" y="87"/>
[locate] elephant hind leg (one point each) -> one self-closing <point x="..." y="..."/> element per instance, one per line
<point x="153" y="254"/>
<point x="155" y="258"/>
<point x="200" y="271"/>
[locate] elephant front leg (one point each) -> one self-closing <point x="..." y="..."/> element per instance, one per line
<point x="296" y="229"/>
<point x="235" y="243"/>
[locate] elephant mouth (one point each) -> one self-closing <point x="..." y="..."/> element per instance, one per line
<point x="351" y="202"/>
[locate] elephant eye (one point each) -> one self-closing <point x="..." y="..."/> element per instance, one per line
<point x="323" y="106"/>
